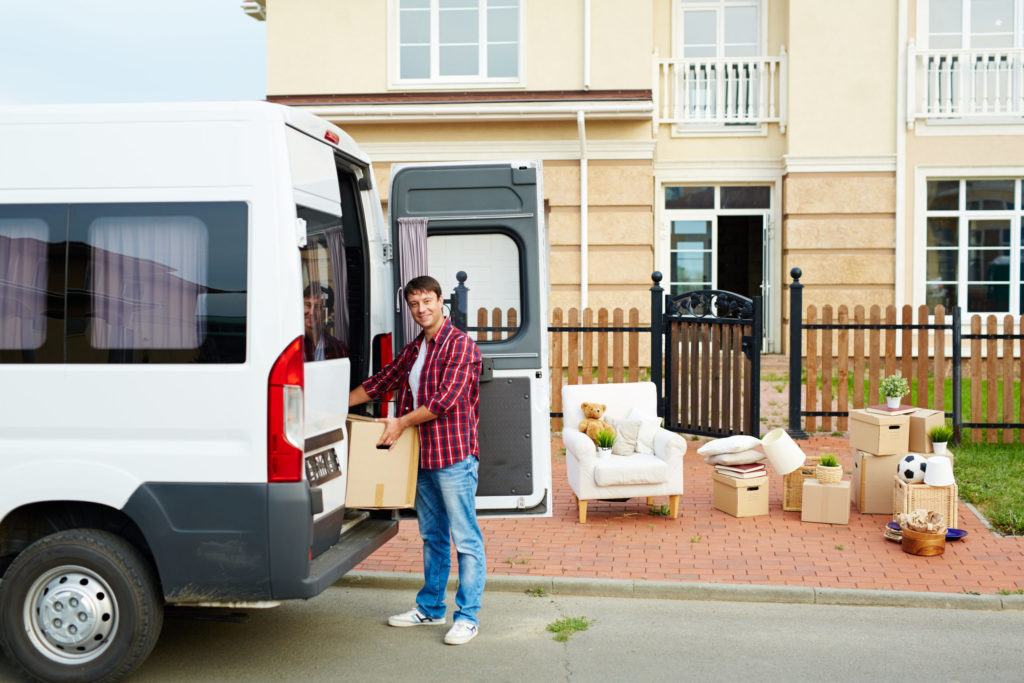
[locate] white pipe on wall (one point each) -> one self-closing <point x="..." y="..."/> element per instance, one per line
<point x="586" y="44"/>
<point x="582" y="129"/>
<point x="900" y="273"/>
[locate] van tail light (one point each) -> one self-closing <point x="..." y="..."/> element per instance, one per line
<point x="285" y="415"/>
<point x="382" y="355"/>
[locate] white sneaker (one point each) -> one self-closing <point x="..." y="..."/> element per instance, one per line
<point x="413" y="618"/>
<point x="461" y="632"/>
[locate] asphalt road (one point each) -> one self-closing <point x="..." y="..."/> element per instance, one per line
<point x="342" y="635"/>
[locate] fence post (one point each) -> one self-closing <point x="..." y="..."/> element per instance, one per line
<point x="957" y="377"/>
<point x="657" y="293"/>
<point x="796" y="319"/>
<point x="460" y="301"/>
<point x="756" y="334"/>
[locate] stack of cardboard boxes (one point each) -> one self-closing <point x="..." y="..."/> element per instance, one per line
<point x="879" y="442"/>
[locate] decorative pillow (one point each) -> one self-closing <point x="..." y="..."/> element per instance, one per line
<point x="740" y="458"/>
<point x="730" y="444"/>
<point x="649" y="425"/>
<point x="626" y="437"/>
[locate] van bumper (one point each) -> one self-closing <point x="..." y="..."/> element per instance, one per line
<point x="244" y="542"/>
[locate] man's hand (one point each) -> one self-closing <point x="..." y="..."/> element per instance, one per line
<point x="393" y="429"/>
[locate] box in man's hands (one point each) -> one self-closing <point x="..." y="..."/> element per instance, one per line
<point x="380" y="478"/>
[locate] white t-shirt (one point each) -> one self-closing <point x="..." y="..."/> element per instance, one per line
<point x="415" y="372"/>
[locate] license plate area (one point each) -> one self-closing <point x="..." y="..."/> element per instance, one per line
<point x="322" y="467"/>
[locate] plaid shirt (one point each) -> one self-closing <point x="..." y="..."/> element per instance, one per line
<point x="449" y="388"/>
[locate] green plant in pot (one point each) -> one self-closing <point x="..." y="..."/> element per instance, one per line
<point x="605" y="439"/>
<point x="828" y="469"/>
<point x="940" y="436"/>
<point x="893" y="388"/>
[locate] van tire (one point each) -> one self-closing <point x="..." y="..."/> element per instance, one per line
<point x="109" y="583"/>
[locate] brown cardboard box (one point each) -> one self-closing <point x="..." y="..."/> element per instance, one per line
<point x="383" y="479"/>
<point x="879" y="434"/>
<point x="921" y="423"/>
<point x="740" y="497"/>
<point x="826" y="503"/>
<point x="871" y="487"/>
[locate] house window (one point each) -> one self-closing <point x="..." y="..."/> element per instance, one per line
<point x="458" y="41"/>
<point x="973" y="246"/>
<point x="974" y="24"/>
<point x="720" y="28"/>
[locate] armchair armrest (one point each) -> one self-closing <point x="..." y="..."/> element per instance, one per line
<point x="579" y="444"/>
<point x="669" y="445"/>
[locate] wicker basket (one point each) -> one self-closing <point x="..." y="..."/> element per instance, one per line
<point x="793" y="484"/>
<point x="828" y="475"/>
<point x="943" y="499"/>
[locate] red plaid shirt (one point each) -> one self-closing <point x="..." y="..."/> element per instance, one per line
<point x="449" y="388"/>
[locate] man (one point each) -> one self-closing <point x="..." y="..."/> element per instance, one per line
<point x="437" y="380"/>
<point x="318" y="299"/>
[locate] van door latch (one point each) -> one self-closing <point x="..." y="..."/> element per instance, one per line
<point x="389" y="252"/>
<point x="487" y="370"/>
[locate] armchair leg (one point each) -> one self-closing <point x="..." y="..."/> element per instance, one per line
<point x="583" y="510"/>
<point x="650" y="501"/>
<point x="673" y="506"/>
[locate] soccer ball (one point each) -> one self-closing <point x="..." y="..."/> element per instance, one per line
<point x="911" y="468"/>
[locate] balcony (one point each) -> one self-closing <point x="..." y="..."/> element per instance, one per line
<point x="965" y="85"/>
<point x="704" y="96"/>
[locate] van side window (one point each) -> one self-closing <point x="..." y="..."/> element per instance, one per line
<point x="157" y="283"/>
<point x="324" y="283"/>
<point x="492" y="263"/>
<point x="32" y="246"/>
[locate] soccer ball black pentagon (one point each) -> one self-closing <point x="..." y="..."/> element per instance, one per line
<point x="911" y="468"/>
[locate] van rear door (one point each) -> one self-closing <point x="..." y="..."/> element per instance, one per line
<point x="484" y="235"/>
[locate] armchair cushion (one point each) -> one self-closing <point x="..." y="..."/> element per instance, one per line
<point x="649" y="424"/>
<point x="626" y="432"/>
<point x="638" y="468"/>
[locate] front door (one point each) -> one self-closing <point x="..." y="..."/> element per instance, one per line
<point x="483" y="228"/>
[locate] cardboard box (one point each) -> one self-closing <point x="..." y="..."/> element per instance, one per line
<point x="921" y="422"/>
<point x="871" y="486"/>
<point x="740" y="497"/>
<point x="826" y="503"/>
<point x="383" y="479"/>
<point x="879" y="434"/>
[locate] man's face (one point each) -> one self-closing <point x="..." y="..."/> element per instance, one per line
<point x="312" y="307"/>
<point x="426" y="309"/>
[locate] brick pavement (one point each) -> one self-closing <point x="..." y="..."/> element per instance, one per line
<point x="625" y="541"/>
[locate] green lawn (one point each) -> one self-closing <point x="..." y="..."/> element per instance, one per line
<point x="991" y="477"/>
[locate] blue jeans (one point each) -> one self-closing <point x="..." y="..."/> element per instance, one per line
<point x="446" y="508"/>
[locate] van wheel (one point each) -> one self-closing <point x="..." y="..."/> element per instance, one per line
<point x="79" y="605"/>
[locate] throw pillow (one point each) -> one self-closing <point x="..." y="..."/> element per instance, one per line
<point x="730" y="444"/>
<point x="740" y="458"/>
<point x="649" y="425"/>
<point x="626" y="437"/>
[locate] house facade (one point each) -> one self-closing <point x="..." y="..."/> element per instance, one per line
<point x="878" y="146"/>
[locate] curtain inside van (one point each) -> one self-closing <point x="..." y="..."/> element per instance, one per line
<point x="412" y="250"/>
<point x="23" y="244"/>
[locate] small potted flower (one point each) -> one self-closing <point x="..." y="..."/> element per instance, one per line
<point x="940" y="436"/>
<point x="828" y="470"/>
<point x="605" y="439"/>
<point x="893" y="388"/>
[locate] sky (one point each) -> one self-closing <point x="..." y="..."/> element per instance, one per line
<point x="90" y="51"/>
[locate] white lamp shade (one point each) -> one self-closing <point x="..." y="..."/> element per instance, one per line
<point x="783" y="453"/>
<point x="939" y="472"/>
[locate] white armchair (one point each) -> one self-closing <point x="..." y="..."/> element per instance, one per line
<point x="618" y="477"/>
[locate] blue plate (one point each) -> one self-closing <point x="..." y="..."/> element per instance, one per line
<point x="951" y="534"/>
<point x="895" y="526"/>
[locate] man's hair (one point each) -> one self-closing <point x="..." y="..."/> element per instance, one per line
<point x="320" y="291"/>
<point x="423" y="283"/>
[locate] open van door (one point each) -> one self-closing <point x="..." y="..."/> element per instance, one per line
<point x="481" y="224"/>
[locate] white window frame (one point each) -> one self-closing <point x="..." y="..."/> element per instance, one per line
<point x="922" y="175"/>
<point x="436" y="81"/>
<point x="924" y="31"/>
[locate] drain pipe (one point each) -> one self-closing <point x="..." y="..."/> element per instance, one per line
<point x="582" y="130"/>
<point x="586" y="44"/>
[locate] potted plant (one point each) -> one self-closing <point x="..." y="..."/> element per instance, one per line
<point x="940" y="436"/>
<point x="605" y="439"/>
<point x="828" y="470"/>
<point x="893" y="388"/>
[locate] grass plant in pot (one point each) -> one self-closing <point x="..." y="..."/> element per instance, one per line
<point x="940" y="436"/>
<point x="605" y="439"/>
<point x="893" y="388"/>
<point x="828" y="470"/>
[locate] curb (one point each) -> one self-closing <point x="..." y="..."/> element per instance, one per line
<point x="665" y="590"/>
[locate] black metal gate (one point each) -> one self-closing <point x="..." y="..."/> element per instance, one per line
<point x="712" y="360"/>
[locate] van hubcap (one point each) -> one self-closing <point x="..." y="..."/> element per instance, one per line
<point x="70" y="614"/>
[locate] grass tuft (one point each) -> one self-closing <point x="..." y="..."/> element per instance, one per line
<point x="566" y="626"/>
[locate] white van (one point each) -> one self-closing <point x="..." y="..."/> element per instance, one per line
<point x="187" y="294"/>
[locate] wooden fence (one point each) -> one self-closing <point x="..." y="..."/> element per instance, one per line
<point x="872" y="347"/>
<point x="585" y="351"/>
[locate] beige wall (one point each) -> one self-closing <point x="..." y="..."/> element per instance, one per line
<point x="842" y="77"/>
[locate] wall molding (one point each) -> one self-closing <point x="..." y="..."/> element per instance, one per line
<point x="549" y="150"/>
<point x="824" y="163"/>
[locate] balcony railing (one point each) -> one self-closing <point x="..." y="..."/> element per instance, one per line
<point x="716" y="94"/>
<point x="964" y="84"/>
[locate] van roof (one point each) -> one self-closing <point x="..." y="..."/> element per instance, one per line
<point x="181" y="111"/>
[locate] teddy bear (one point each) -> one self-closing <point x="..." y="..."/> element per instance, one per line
<point x="592" y="422"/>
